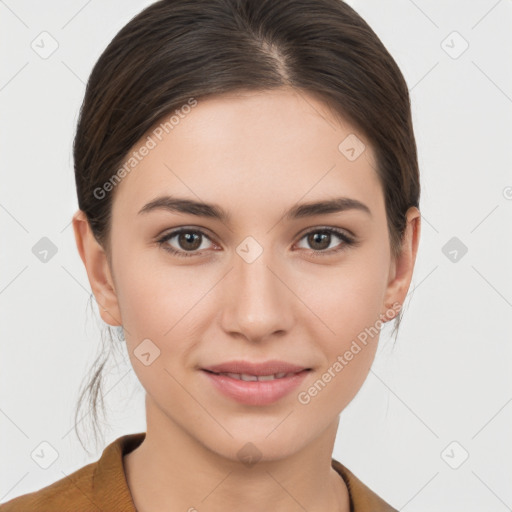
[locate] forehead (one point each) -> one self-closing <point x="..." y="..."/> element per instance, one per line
<point x="252" y="147"/>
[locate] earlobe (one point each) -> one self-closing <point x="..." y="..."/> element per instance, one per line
<point x="401" y="269"/>
<point x="98" y="271"/>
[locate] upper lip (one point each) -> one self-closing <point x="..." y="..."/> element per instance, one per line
<point x="251" y="368"/>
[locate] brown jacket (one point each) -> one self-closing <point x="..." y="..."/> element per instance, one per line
<point x="101" y="487"/>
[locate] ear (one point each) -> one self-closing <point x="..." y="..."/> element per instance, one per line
<point x="98" y="270"/>
<point x="401" y="268"/>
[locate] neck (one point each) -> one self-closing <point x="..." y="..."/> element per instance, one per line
<point x="171" y="470"/>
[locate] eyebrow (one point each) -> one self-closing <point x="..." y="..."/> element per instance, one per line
<point x="213" y="211"/>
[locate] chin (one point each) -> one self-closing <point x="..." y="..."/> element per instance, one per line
<point x="256" y="445"/>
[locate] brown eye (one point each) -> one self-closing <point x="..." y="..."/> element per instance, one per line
<point x="187" y="241"/>
<point x="319" y="240"/>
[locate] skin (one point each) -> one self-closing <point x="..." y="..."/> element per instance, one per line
<point x="256" y="155"/>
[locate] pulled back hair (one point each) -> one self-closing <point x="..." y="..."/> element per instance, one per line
<point x="175" y="50"/>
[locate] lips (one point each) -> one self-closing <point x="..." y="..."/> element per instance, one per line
<point x="253" y="383"/>
<point x="248" y="370"/>
<point x="253" y="378"/>
<point x="255" y="390"/>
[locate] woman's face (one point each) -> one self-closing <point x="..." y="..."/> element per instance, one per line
<point x="265" y="282"/>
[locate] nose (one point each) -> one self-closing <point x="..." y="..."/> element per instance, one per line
<point x="257" y="302"/>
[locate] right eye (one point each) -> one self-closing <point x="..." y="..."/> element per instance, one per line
<point x="190" y="241"/>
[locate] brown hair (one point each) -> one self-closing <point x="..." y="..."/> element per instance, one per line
<point x="175" y="50"/>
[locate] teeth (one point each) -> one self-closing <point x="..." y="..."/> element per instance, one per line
<point x="252" y="378"/>
<point x="246" y="377"/>
<point x="232" y="375"/>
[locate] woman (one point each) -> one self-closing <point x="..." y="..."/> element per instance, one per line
<point x="248" y="193"/>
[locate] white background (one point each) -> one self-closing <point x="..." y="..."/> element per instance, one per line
<point x="447" y="379"/>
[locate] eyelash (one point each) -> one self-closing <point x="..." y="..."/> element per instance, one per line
<point x="347" y="241"/>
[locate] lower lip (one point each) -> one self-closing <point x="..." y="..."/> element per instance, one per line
<point x="256" y="392"/>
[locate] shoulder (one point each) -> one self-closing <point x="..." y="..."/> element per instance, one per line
<point x="74" y="490"/>
<point x="96" y="487"/>
<point x="362" y="498"/>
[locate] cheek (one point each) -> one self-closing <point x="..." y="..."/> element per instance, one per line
<point x="350" y="324"/>
<point x="347" y="304"/>
<point x="154" y="307"/>
<point x="152" y="298"/>
<point x="346" y="299"/>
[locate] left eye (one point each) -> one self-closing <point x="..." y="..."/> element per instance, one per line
<point x="323" y="237"/>
<point x="190" y="241"/>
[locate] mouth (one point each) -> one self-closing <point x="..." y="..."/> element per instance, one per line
<point x="269" y="368"/>
<point x="261" y="378"/>
<point x="261" y="385"/>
